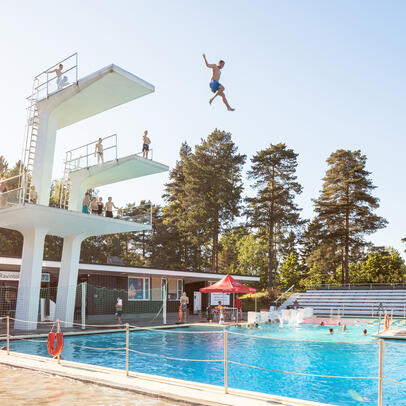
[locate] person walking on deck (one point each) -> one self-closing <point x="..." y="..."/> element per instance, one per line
<point x="216" y="87"/>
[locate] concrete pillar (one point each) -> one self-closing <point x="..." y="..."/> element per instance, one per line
<point x="44" y="156"/>
<point x="68" y="277"/>
<point x="30" y="279"/>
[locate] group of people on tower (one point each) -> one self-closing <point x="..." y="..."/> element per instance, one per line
<point x="94" y="205"/>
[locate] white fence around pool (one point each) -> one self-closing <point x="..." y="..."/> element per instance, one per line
<point x="225" y="360"/>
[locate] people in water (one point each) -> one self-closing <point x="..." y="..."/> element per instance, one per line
<point x="330" y="330"/>
<point x="344" y="328"/>
<point x="216" y="87"/>
<point x="321" y="323"/>
<point x="364" y="332"/>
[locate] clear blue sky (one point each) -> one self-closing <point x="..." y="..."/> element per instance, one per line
<point x="316" y="75"/>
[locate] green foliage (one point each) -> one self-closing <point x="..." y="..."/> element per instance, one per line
<point x="344" y="209"/>
<point x="291" y="272"/>
<point x="273" y="210"/>
<point x="380" y="267"/>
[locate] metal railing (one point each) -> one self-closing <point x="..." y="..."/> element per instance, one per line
<point x="45" y="85"/>
<point x="138" y="214"/>
<point x="12" y="191"/>
<point x="283" y="295"/>
<point x="358" y="286"/>
<point x="225" y="360"/>
<point x="85" y="155"/>
<point x="149" y="155"/>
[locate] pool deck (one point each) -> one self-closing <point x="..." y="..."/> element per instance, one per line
<point x="393" y="334"/>
<point x="175" y="390"/>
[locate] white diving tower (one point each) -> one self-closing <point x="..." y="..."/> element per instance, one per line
<point x="107" y="88"/>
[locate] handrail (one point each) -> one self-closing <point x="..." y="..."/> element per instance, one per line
<point x="53" y="66"/>
<point x="93" y="142"/>
<point x="283" y="294"/>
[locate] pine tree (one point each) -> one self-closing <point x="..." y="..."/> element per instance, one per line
<point x="344" y="209"/>
<point x="273" y="210"/>
<point x="213" y="188"/>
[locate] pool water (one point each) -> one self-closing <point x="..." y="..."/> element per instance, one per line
<point x="356" y="356"/>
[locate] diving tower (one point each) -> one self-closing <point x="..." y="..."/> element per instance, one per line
<point x="50" y="109"/>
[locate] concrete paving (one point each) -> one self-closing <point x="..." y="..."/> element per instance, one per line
<point x="184" y="392"/>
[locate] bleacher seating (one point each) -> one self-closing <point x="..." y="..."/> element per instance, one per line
<point x="351" y="302"/>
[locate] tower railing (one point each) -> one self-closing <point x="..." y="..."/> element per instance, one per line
<point x="49" y="82"/>
<point x="85" y="155"/>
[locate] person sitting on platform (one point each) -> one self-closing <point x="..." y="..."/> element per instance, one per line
<point x="145" y="144"/>
<point x="33" y="195"/>
<point x="109" y="207"/>
<point x="61" y="81"/>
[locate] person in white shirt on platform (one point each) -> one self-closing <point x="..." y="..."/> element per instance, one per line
<point x="119" y="310"/>
<point x="61" y="81"/>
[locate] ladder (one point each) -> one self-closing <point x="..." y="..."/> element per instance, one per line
<point x="65" y="186"/>
<point x="31" y="138"/>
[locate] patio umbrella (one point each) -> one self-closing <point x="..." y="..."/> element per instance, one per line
<point x="227" y="285"/>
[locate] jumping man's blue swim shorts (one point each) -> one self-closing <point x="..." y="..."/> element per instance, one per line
<point x="214" y="85"/>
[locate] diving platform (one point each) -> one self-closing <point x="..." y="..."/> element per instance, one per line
<point x="96" y="93"/>
<point x="63" y="223"/>
<point x="57" y="101"/>
<point x="113" y="171"/>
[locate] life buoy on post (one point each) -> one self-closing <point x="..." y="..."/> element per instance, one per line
<point x="53" y="349"/>
<point x="387" y="322"/>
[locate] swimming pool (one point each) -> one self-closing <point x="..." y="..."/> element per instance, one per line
<point x="350" y="358"/>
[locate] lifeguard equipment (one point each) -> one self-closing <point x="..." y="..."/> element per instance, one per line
<point x="180" y="312"/>
<point x="387" y="322"/>
<point x="53" y="349"/>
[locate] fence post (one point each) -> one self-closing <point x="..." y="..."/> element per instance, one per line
<point x="83" y="310"/>
<point x="8" y="335"/>
<point x="58" y="330"/>
<point x="225" y="362"/>
<point x="380" y="378"/>
<point x="127" y="343"/>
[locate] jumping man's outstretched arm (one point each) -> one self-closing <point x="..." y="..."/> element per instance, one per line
<point x="209" y="65"/>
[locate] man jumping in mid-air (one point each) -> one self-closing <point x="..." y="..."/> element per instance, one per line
<point x="215" y="86"/>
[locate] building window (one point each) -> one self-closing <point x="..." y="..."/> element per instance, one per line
<point x="138" y="289"/>
<point x="180" y="288"/>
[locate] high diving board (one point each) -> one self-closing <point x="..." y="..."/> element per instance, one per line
<point x="102" y="90"/>
<point x="117" y="170"/>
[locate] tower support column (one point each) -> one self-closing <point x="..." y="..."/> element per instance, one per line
<point x="30" y="279"/>
<point x="68" y="277"/>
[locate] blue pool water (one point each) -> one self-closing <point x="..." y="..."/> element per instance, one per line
<point x="326" y="358"/>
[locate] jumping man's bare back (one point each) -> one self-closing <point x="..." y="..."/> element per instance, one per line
<point x="216" y="87"/>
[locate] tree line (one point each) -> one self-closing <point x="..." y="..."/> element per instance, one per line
<point x="207" y="224"/>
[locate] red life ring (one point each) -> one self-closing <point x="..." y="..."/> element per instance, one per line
<point x="53" y="349"/>
<point x="387" y="322"/>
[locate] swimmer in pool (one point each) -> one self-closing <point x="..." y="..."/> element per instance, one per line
<point x="364" y="332"/>
<point x="331" y="331"/>
<point x="216" y="87"/>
